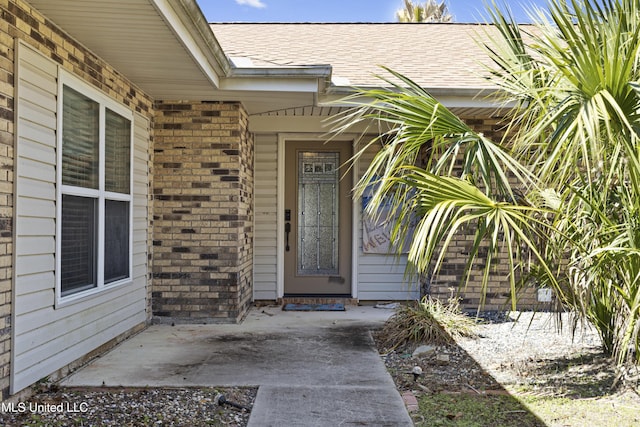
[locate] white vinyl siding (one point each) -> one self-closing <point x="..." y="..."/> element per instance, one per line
<point x="141" y="190"/>
<point x="380" y="277"/>
<point x="264" y="251"/>
<point x="46" y="338"/>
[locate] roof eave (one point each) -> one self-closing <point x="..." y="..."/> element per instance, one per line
<point x="436" y="90"/>
<point x="451" y="97"/>
<point x="301" y="71"/>
<point x="163" y="47"/>
<point x="196" y="36"/>
<point x="303" y="78"/>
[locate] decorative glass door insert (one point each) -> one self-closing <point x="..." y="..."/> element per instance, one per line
<point x="318" y="225"/>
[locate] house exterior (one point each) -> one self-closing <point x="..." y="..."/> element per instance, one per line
<point x="155" y="167"/>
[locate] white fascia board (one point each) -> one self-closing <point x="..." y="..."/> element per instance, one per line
<point x="449" y="97"/>
<point x="190" y="27"/>
<point x="310" y="78"/>
<point x="302" y="71"/>
<point x="273" y="84"/>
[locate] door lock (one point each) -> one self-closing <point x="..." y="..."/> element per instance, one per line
<point x="287" y="227"/>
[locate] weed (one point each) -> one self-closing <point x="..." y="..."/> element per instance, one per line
<point x="429" y="321"/>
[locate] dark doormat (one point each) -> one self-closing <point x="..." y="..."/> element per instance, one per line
<point x="314" y="307"/>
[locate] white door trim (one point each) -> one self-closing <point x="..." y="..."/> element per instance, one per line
<point x="279" y="217"/>
<point x="283" y="138"/>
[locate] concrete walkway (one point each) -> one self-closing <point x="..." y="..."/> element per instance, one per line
<point x="312" y="369"/>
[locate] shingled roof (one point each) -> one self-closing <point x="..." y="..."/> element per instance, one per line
<point x="434" y="55"/>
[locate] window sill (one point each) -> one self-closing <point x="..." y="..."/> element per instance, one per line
<point x="89" y="294"/>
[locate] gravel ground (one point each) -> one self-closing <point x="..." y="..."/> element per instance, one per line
<point x="514" y="351"/>
<point x="504" y="353"/>
<point x="123" y="407"/>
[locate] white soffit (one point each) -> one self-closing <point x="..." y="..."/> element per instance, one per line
<point x="158" y="44"/>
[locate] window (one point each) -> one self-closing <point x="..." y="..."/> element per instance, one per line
<point x="94" y="198"/>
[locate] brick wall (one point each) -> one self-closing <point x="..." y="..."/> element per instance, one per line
<point x="203" y="198"/>
<point x="498" y="291"/>
<point x="19" y="21"/>
<point x="245" y="211"/>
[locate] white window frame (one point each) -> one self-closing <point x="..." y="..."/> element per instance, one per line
<point x="69" y="80"/>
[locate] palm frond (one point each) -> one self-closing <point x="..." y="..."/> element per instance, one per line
<point x="446" y="205"/>
<point x="558" y="198"/>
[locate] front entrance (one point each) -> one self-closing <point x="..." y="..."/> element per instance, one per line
<point x="318" y="205"/>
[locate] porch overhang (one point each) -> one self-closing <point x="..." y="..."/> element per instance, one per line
<point x="167" y="49"/>
<point x="164" y="47"/>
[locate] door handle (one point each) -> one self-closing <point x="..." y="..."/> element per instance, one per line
<point x="287" y="230"/>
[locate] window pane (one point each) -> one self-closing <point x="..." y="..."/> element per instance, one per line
<point x="317" y="213"/>
<point x="80" y="139"/>
<point x="117" y="153"/>
<point x="116" y="241"/>
<point x="78" y="257"/>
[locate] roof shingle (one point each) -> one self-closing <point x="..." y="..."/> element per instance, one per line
<point x="433" y="55"/>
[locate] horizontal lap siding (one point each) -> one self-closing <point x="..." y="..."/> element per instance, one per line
<point x="381" y="277"/>
<point x="47" y="338"/>
<point x="264" y="253"/>
<point x="141" y="214"/>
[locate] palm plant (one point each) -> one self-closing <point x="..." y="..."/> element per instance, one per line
<point x="559" y="196"/>
<point x="431" y="11"/>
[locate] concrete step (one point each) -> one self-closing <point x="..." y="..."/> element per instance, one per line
<point x="317" y="300"/>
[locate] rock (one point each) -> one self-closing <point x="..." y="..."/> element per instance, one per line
<point x="444" y="358"/>
<point x="423" y="349"/>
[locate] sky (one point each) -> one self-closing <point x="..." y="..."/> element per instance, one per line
<point x="343" y="10"/>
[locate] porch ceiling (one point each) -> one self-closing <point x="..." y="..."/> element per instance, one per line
<point x="165" y="47"/>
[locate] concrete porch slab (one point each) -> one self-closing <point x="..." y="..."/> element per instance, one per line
<point x="304" y="362"/>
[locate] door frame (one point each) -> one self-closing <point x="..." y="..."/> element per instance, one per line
<point x="283" y="138"/>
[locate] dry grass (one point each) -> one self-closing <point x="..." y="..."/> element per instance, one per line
<point x="427" y="322"/>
